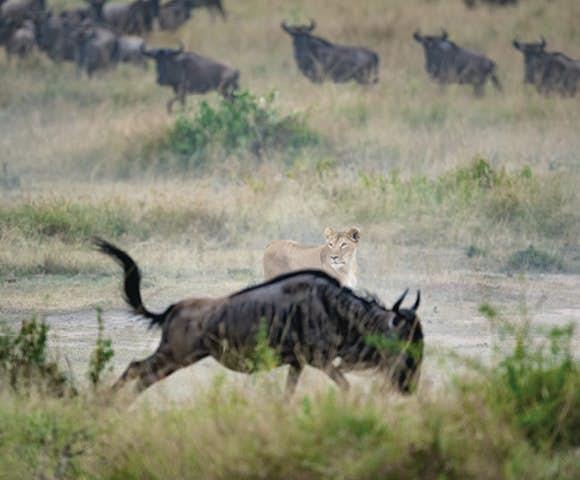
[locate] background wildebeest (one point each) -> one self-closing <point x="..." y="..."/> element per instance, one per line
<point x="134" y="18"/>
<point x="319" y="60"/>
<point x="548" y="71"/>
<point x="446" y="63"/>
<point x="20" y="10"/>
<point x="309" y="319"/>
<point x="187" y="72"/>
<point x="503" y="3"/>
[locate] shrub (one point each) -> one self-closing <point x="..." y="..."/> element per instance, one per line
<point x="536" y="387"/>
<point x="101" y="355"/>
<point x="24" y="362"/>
<point x="244" y="124"/>
<point x="532" y="259"/>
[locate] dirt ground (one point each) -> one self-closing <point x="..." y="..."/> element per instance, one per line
<point x="453" y="327"/>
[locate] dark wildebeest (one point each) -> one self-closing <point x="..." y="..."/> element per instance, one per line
<point x="319" y="60"/>
<point x="130" y="50"/>
<point x="187" y="72"/>
<point x="307" y="319"/>
<point x="548" y="71"/>
<point x="55" y="35"/>
<point x="97" y="48"/>
<point x="134" y="18"/>
<point x="20" y="10"/>
<point x="446" y="63"/>
<point x="214" y="6"/>
<point x="173" y="14"/>
<point x="21" y="41"/>
<point x="503" y="3"/>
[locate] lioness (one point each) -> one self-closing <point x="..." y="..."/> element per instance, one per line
<point x="337" y="256"/>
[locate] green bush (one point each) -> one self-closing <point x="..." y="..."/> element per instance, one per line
<point x="243" y="124"/>
<point x="532" y="259"/>
<point x="24" y="362"/>
<point x="102" y="354"/>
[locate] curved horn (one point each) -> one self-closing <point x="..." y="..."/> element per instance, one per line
<point x="284" y="26"/>
<point x="312" y="25"/>
<point x="444" y="34"/>
<point x="543" y="41"/>
<point x="397" y="304"/>
<point x="417" y="302"/>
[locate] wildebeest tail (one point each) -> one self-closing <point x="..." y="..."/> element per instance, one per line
<point x="132" y="284"/>
<point x="494" y="79"/>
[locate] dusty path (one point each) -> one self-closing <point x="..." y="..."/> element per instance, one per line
<point x="449" y="312"/>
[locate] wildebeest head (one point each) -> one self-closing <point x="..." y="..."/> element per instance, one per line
<point x="406" y="324"/>
<point x="533" y="53"/>
<point x="163" y="58"/>
<point x="435" y="47"/>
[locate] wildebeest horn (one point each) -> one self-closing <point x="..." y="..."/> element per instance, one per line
<point x="444" y="34"/>
<point x="417" y="302"/>
<point x="543" y="41"/>
<point x="312" y="25"/>
<point x="397" y="304"/>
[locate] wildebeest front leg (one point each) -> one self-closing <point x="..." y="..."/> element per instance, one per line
<point x="338" y="377"/>
<point x="292" y="379"/>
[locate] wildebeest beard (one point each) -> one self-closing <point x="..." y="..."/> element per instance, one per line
<point x="307" y="318"/>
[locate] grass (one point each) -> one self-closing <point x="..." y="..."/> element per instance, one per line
<point x="517" y="418"/>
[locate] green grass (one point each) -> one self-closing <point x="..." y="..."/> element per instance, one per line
<point x="518" y="418"/>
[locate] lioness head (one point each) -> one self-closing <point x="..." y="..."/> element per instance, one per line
<point x="340" y="247"/>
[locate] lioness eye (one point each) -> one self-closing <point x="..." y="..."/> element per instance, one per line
<point x="330" y="244"/>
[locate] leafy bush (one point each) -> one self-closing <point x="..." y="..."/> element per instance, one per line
<point x="24" y="362"/>
<point x="536" y="387"/>
<point x="244" y="124"/>
<point x="532" y="259"/>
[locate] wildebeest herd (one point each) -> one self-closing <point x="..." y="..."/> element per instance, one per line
<point x="101" y="35"/>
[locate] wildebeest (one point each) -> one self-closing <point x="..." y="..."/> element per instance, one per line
<point x="134" y="18"/>
<point x="21" y="41"/>
<point x="173" y="14"/>
<point x="307" y="319"/>
<point x="97" y="48"/>
<point x="20" y="10"/>
<point x="188" y="72"/>
<point x="130" y="50"/>
<point x="502" y="3"/>
<point x="548" y="71"/>
<point x="55" y="35"/>
<point x="446" y="63"/>
<point x="319" y="60"/>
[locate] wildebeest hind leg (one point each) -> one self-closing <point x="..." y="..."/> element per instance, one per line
<point x="150" y="370"/>
<point x="338" y="377"/>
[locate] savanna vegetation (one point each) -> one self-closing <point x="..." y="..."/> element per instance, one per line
<point x="444" y="186"/>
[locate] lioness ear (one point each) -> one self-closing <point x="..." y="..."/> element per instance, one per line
<point x="328" y="232"/>
<point x="354" y="234"/>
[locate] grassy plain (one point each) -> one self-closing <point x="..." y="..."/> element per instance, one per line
<point x="454" y="195"/>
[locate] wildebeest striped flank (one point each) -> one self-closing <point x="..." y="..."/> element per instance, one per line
<point x="309" y="319"/>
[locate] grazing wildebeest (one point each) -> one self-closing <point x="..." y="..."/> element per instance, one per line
<point x="130" y="50"/>
<point x="134" y="18"/>
<point x="20" y="10"/>
<point x="97" y="48"/>
<point x="173" y="14"/>
<point x="55" y="35"/>
<point x="187" y="72"/>
<point x="307" y="319"/>
<point x="548" y="71"/>
<point x="503" y="3"/>
<point x="212" y="5"/>
<point x="446" y="63"/>
<point x="319" y="60"/>
<point x="21" y="41"/>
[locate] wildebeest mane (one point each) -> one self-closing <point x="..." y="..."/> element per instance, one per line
<point x="284" y="276"/>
